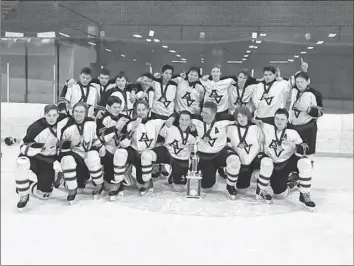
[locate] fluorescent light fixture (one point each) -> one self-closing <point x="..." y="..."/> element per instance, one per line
<point x="258" y="41"/>
<point x="148" y="40"/>
<point x="151" y="33"/>
<point x="164" y="46"/>
<point x="296" y="56"/>
<point x="331" y="35"/>
<point x="246" y="55"/>
<point x="319" y="42"/>
<point x="50" y="34"/>
<point x="263" y="34"/>
<point x="254" y="35"/>
<point x="255" y="47"/>
<point x="248" y="51"/>
<point x="234" y="62"/>
<point x="134" y="59"/>
<point x="63" y="34"/>
<point x="108" y="50"/>
<point x="278" y="62"/>
<point x="174" y="61"/>
<point x="202" y="35"/>
<point x="178" y="55"/>
<point x="156" y="40"/>
<point x="172" y="51"/>
<point x="92" y="43"/>
<point x="137" y="36"/>
<point x="291" y="60"/>
<point x="251" y="46"/>
<point x="183" y="59"/>
<point x="310" y="47"/>
<point x="122" y="55"/>
<point x="14" y="34"/>
<point x="244" y="59"/>
<point x="303" y="52"/>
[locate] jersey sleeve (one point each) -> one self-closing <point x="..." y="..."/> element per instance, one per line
<point x="29" y="146"/>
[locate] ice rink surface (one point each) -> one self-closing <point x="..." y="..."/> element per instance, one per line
<point x="166" y="228"/>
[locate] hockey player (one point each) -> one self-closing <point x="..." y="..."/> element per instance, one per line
<point x="143" y="133"/>
<point x="147" y="91"/>
<point x="83" y="91"/>
<point x="39" y="154"/>
<point x="288" y="152"/>
<point x="175" y="151"/>
<point x="80" y="153"/>
<point x="247" y="140"/>
<point x="112" y="132"/>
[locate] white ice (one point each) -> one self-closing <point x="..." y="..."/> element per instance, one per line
<point x="168" y="229"/>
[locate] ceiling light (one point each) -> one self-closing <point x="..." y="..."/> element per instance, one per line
<point x="263" y="34"/>
<point x="148" y="40"/>
<point x="122" y="55"/>
<point x="183" y="59"/>
<point x="202" y="35"/>
<point x="63" y="34"/>
<point x="108" y="50"/>
<point x="92" y="43"/>
<point x="151" y="33"/>
<point x="319" y="42"/>
<point x="278" y="62"/>
<point x="164" y="46"/>
<point x="174" y="61"/>
<point x="244" y="59"/>
<point x="251" y="46"/>
<point x="137" y="36"/>
<point x="255" y="47"/>
<point x="50" y="34"/>
<point x="331" y="35"/>
<point x="303" y="52"/>
<point x="246" y="55"/>
<point x="291" y="60"/>
<point x="234" y="62"/>
<point x="248" y="51"/>
<point x="134" y="59"/>
<point x="258" y="41"/>
<point x="172" y="51"/>
<point x="254" y="35"/>
<point x="296" y="56"/>
<point x="310" y="47"/>
<point x="14" y="34"/>
<point x="156" y="40"/>
<point x="178" y="55"/>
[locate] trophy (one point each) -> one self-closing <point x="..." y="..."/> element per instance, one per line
<point x="194" y="177"/>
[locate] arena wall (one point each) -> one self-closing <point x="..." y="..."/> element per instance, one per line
<point x="335" y="131"/>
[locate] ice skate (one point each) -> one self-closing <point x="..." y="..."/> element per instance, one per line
<point x="163" y="171"/>
<point x="71" y="196"/>
<point x="116" y="192"/>
<point x="147" y="188"/>
<point x="232" y="192"/>
<point x="97" y="191"/>
<point x="170" y="180"/>
<point x="22" y="203"/>
<point x="59" y="180"/>
<point x="306" y="201"/>
<point x="263" y="196"/>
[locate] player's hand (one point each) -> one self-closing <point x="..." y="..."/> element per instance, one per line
<point x="205" y="77"/>
<point x="71" y="83"/>
<point x="57" y="167"/>
<point x="125" y="143"/>
<point x="99" y="114"/>
<point x="144" y="95"/>
<point x="102" y="151"/>
<point x="300" y="107"/>
<point x="192" y="127"/>
<point x="258" y="122"/>
<point x="157" y="75"/>
<point x="169" y="122"/>
<point x="136" y="123"/>
<point x="287" y="144"/>
<point x="121" y="123"/>
<point x="304" y="65"/>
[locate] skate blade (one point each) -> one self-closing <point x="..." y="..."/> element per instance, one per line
<point x="97" y="197"/>
<point x="21" y="210"/>
<point x="232" y="197"/>
<point x="260" y="199"/>
<point x="116" y="197"/>
<point x="147" y="192"/>
<point x="71" y="202"/>
<point x="309" y="209"/>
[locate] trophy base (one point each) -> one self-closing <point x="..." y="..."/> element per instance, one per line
<point x="193" y="197"/>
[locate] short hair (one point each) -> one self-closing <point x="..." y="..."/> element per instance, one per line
<point x="244" y="111"/>
<point x="270" y="69"/>
<point x="303" y="75"/>
<point x="282" y="111"/>
<point x="168" y="67"/>
<point x="86" y="71"/>
<point x="195" y="69"/>
<point x="244" y="72"/>
<point x="112" y="100"/>
<point x="148" y="75"/>
<point x="105" y="72"/>
<point x="185" y="112"/>
<point x="141" y="102"/>
<point x="120" y="75"/>
<point x="216" y="66"/>
<point x="49" y="107"/>
<point x="211" y="105"/>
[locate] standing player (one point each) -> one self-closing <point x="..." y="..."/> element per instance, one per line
<point x="39" y="154"/>
<point x="247" y="140"/>
<point x="80" y="153"/>
<point x="112" y="132"/>
<point x="288" y="152"/>
<point x="147" y="91"/>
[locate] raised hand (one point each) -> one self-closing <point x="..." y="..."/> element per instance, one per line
<point x="304" y="65"/>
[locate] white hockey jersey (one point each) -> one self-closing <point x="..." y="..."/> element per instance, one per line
<point x="164" y="98"/>
<point x="274" y="147"/>
<point x="241" y="97"/>
<point x="178" y="143"/>
<point x="246" y="141"/>
<point x="144" y="137"/>
<point x="269" y="98"/>
<point x="124" y="96"/>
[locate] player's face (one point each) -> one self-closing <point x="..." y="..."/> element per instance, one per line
<point x="302" y="83"/>
<point x="85" y="79"/>
<point x="193" y="76"/>
<point x="103" y="79"/>
<point x="121" y="82"/>
<point x="115" y="109"/>
<point x="242" y="119"/>
<point x="216" y="73"/>
<point x="167" y="75"/>
<point x="241" y="79"/>
<point x="280" y="121"/>
<point x="51" y="117"/>
<point x="141" y="110"/>
<point x="268" y="76"/>
<point x="79" y="114"/>
<point x="208" y="115"/>
<point x="185" y="120"/>
<point x="146" y="81"/>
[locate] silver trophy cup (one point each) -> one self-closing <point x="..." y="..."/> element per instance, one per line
<point x="194" y="177"/>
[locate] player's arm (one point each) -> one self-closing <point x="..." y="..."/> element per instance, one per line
<point x="316" y="110"/>
<point x="29" y="146"/>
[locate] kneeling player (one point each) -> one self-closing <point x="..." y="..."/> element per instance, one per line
<point x="246" y="139"/>
<point x="80" y="153"/>
<point x="111" y="130"/>
<point x="288" y="152"/>
<point x="38" y="154"/>
<point x="175" y="151"/>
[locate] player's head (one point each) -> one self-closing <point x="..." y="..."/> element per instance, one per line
<point x="85" y="75"/>
<point x="104" y="76"/>
<point x="281" y="117"/>
<point x="302" y="80"/>
<point x="141" y="108"/>
<point x="193" y="74"/>
<point x="114" y="105"/>
<point x="242" y="77"/>
<point x="147" y="79"/>
<point x="242" y="116"/>
<point x="216" y="72"/>
<point x="269" y="73"/>
<point x="209" y="111"/>
<point x="80" y="111"/>
<point x="167" y="72"/>
<point x="121" y="80"/>
<point x="185" y="118"/>
<point x="51" y="114"/>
